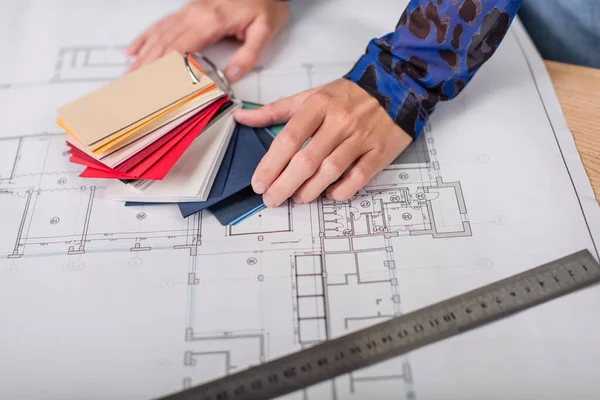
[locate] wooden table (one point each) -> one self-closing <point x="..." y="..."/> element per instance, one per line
<point x="578" y="91"/>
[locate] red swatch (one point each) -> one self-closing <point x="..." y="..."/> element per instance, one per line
<point x="156" y="161"/>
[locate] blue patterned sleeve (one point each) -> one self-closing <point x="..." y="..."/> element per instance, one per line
<point x="436" y="49"/>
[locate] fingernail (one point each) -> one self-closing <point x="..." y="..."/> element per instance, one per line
<point x="234" y="73"/>
<point x="297" y="200"/>
<point x="269" y="202"/>
<point x="259" y="187"/>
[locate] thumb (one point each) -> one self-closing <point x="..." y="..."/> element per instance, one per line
<point x="258" y="36"/>
<point x="271" y="114"/>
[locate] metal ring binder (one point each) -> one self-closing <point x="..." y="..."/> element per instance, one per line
<point x="211" y="70"/>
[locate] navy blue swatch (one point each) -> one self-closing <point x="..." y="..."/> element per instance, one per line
<point x="265" y="137"/>
<point x="231" y="209"/>
<point x="237" y="205"/>
<point x="247" y="154"/>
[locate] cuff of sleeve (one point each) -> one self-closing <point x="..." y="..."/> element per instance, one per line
<point x="403" y="103"/>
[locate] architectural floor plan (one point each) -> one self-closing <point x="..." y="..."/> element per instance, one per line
<point x="345" y="248"/>
<point x="102" y="301"/>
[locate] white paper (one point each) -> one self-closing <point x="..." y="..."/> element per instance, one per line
<point x="101" y="301"/>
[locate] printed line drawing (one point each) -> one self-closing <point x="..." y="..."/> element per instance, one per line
<point x="357" y="261"/>
<point x="8" y="165"/>
<point x="16" y="253"/>
<point x="337" y="251"/>
<point x="258" y="225"/>
<point x="86" y="64"/>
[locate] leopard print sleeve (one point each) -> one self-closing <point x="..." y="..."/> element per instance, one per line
<point x="437" y="48"/>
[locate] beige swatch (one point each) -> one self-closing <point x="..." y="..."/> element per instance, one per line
<point x="197" y="104"/>
<point x="131" y="100"/>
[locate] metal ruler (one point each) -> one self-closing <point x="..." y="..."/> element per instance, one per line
<point x="402" y="334"/>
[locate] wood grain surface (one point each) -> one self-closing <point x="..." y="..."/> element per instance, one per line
<point x="578" y="91"/>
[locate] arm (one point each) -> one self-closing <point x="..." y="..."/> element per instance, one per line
<point x="436" y="49"/>
<point x="357" y="126"/>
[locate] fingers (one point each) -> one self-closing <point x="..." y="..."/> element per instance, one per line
<point x="306" y="163"/>
<point x="392" y="141"/>
<point x="150" y="47"/>
<point x="192" y="40"/>
<point x="360" y="174"/>
<point x="137" y="44"/>
<point x="257" y="37"/>
<point x="149" y="52"/>
<point x="163" y="43"/>
<point x="142" y="45"/>
<point x="300" y="127"/>
<point x="176" y="32"/>
<point x="329" y="171"/>
<point x="135" y="47"/>
<point x="274" y="113"/>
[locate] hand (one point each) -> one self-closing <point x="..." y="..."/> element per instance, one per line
<point x="202" y="23"/>
<point x="348" y="130"/>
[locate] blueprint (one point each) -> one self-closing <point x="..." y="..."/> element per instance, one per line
<point x="102" y="301"/>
